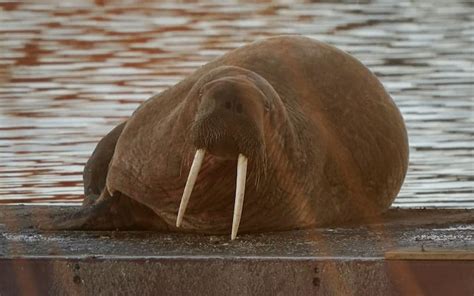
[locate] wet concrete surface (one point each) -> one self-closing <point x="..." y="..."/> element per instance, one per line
<point x="399" y="228"/>
<point x="345" y="260"/>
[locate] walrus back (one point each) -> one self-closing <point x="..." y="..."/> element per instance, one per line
<point x="354" y="118"/>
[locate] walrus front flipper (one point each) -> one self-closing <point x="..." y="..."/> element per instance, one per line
<point x="95" y="171"/>
<point x="90" y="217"/>
<point x="107" y="213"/>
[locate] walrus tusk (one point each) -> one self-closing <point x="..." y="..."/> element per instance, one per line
<point x="239" y="193"/>
<point x="193" y="173"/>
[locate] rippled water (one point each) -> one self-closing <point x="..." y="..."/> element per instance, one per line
<point x="69" y="73"/>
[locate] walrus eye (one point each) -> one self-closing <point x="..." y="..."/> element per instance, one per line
<point x="239" y="190"/>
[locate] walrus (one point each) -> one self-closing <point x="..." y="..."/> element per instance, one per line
<point x="280" y="134"/>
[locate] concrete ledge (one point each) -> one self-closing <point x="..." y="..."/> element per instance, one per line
<point x="347" y="260"/>
<point x="233" y="276"/>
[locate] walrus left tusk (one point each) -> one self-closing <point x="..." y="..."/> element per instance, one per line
<point x="239" y="194"/>
<point x="188" y="188"/>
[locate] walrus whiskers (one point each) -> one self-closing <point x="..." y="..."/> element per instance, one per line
<point x="239" y="193"/>
<point x="192" y="177"/>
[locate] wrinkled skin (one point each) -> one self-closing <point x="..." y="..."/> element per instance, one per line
<point x="325" y="143"/>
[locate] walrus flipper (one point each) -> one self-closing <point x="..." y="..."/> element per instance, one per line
<point x="106" y="213"/>
<point x="95" y="171"/>
<point x="86" y="218"/>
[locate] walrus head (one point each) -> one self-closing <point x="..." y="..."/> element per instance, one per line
<point x="229" y="120"/>
<point x="234" y="109"/>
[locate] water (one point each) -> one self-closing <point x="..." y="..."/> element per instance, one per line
<point x="70" y="72"/>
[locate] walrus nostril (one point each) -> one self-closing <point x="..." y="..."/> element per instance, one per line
<point x="232" y="105"/>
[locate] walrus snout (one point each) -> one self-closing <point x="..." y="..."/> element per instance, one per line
<point x="229" y="120"/>
<point x="227" y="137"/>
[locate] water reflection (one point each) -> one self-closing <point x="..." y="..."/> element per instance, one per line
<point x="70" y="72"/>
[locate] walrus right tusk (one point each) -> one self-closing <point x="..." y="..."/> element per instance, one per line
<point x="192" y="177"/>
<point x="239" y="194"/>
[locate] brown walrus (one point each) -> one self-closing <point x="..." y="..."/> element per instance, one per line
<point x="323" y="141"/>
